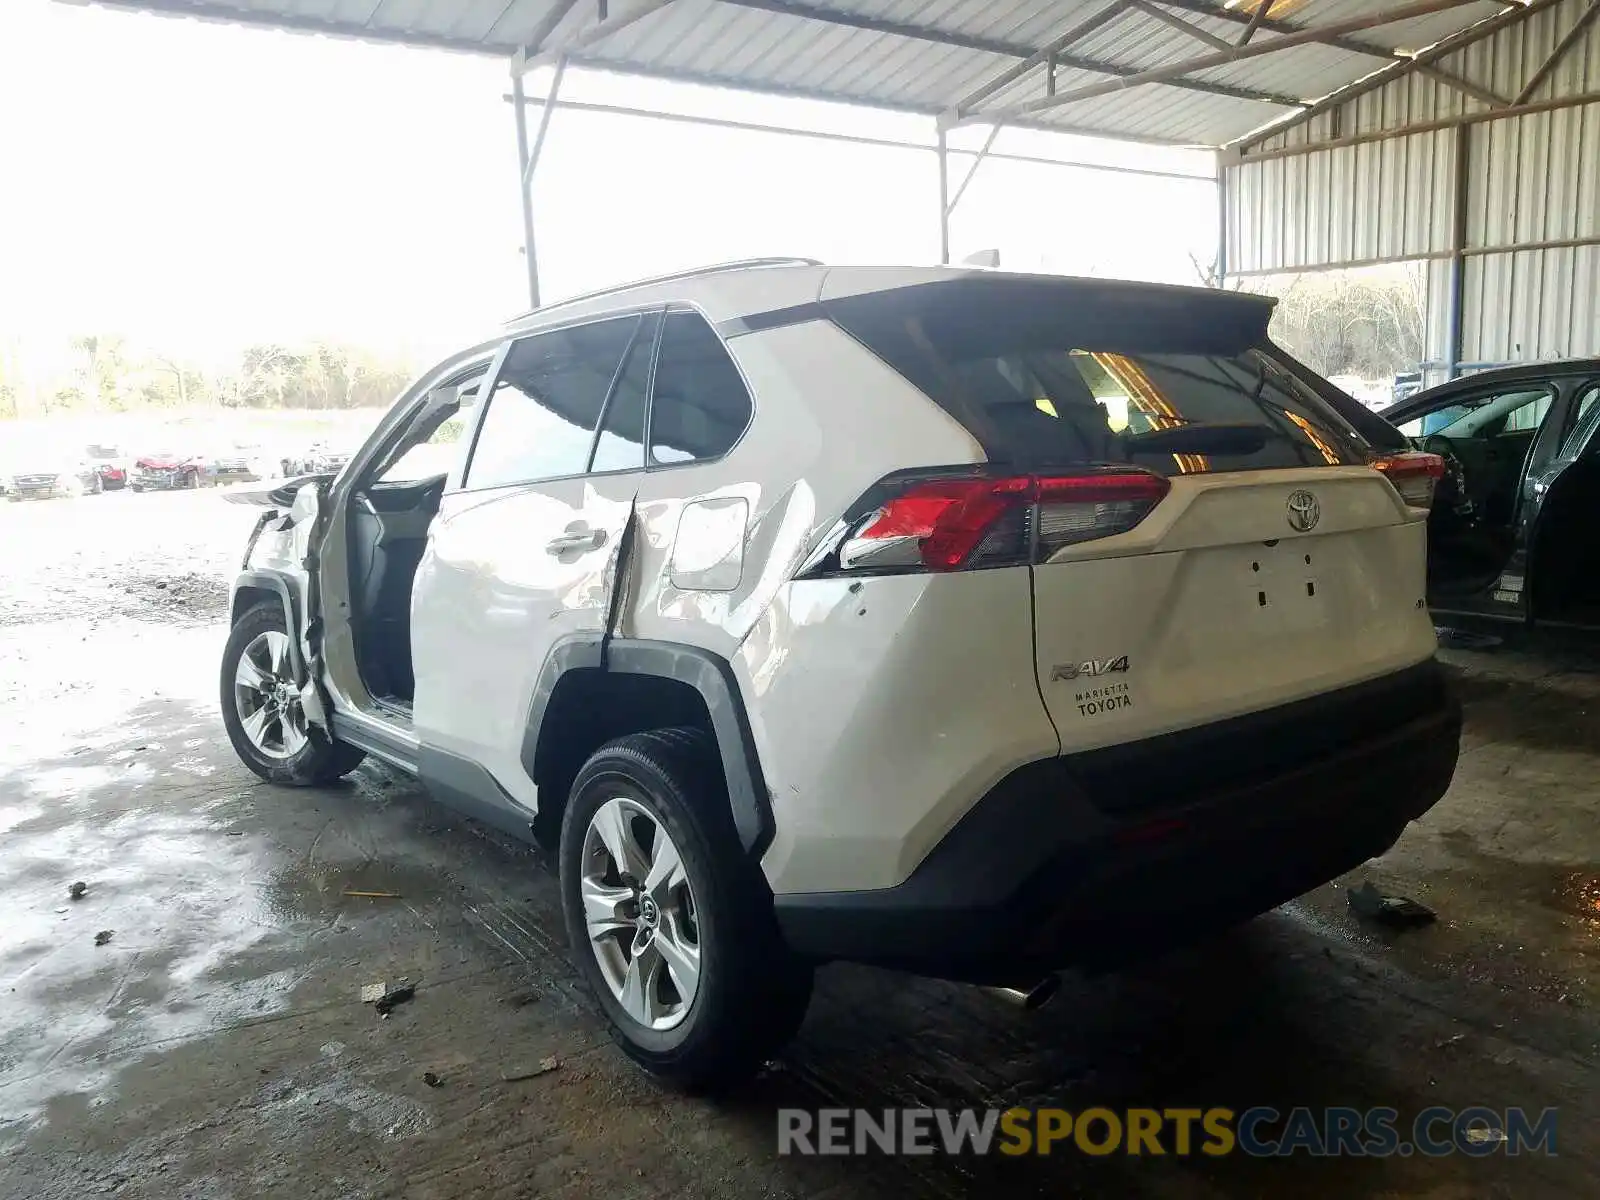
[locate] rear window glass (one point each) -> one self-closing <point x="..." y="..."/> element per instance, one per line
<point x="1173" y="391"/>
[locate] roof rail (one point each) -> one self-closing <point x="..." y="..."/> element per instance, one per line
<point x="738" y="264"/>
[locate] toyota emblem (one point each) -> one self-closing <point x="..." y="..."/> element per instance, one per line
<point x="1304" y="512"/>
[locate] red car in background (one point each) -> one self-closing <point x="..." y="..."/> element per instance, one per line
<point x="163" y="470"/>
<point x="108" y="464"/>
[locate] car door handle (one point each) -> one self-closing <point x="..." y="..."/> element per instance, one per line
<point x="583" y="539"/>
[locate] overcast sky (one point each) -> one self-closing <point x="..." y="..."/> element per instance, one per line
<point x="200" y="186"/>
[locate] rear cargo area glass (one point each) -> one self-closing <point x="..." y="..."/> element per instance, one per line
<point x="1051" y="372"/>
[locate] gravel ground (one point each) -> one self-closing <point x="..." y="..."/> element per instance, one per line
<point x="215" y="1044"/>
<point x="155" y="556"/>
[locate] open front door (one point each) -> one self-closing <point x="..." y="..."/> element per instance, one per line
<point x="1487" y="440"/>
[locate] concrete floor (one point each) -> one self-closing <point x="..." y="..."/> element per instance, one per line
<point x="217" y="1046"/>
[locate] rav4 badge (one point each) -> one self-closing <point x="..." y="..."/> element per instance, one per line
<point x="1095" y="666"/>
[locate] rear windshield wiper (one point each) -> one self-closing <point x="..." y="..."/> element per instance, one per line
<point x="1198" y="437"/>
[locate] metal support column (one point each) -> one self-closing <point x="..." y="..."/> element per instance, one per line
<point x="1221" y="279"/>
<point x="944" y="195"/>
<point x="1456" y="317"/>
<point x="528" y="160"/>
<point x="520" y="107"/>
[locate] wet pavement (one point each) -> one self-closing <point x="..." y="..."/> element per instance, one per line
<point x="216" y="1044"/>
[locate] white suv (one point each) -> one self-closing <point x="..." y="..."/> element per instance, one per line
<point x="953" y="621"/>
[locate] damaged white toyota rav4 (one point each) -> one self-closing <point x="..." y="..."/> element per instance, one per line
<point x="958" y="622"/>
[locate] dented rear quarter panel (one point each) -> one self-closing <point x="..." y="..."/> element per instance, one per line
<point x="830" y="671"/>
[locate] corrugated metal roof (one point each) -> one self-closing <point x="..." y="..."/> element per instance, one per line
<point x="1530" y="270"/>
<point x="919" y="55"/>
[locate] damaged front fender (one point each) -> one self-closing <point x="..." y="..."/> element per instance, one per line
<point x="280" y="561"/>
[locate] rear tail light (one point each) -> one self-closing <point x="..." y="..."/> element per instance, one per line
<point x="1413" y="476"/>
<point x="956" y="523"/>
<point x="1081" y="508"/>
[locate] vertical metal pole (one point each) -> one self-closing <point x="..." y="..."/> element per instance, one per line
<point x="520" y="105"/>
<point x="1226" y="160"/>
<point x="544" y="118"/>
<point x="529" y="158"/>
<point x="944" y="197"/>
<point x="1458" y="258"/>
<point x="1222" y="215"/>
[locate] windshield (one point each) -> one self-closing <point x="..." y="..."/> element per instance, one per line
<point x="1442" y="420"/>
<point x="1477" y="416"/>
<point x="1042" y="378"/>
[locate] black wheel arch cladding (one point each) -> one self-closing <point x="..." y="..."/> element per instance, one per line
<point x="707" y="674"/>
<point x="251" y="586"/>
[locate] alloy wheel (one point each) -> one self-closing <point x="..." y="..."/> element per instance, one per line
<point x="268" y="697"/>
<point x="640" y="912"/>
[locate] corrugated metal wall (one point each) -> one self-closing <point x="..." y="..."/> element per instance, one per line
<point x="1531" y="180"/>
<point x="1436" y="321"/>
<point x="1532" y="304"/>
<point x="1353" y="204"/>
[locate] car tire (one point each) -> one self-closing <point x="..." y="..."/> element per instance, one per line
<point x="751" y="993"/>
<point x="303" y="758"/>
<point x="135" y="488"/>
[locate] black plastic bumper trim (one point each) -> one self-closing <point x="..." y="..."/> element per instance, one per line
<point x="1040" y="875"/>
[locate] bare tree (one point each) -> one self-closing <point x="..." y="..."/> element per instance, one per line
<point x="175" y="369"/>
<point x="1350" y="323"/>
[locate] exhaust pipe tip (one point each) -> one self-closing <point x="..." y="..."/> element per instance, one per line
<point x="1029" y="999"/>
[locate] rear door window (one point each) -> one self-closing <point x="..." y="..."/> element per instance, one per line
<point x="545" y="407"/>
<point x="1043" y="374"/>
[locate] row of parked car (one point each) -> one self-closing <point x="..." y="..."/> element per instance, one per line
<point x="50" y="473"/>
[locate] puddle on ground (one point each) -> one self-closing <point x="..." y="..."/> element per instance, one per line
<point x="207" y="929"/>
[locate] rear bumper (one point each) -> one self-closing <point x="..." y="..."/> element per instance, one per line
<point x="1101" y="858"/>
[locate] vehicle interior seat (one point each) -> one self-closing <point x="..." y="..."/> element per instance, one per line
<point x="388" y="534"/>
<point x="1503" y="460"/>
<point x="1469" y="551"/>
